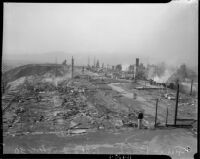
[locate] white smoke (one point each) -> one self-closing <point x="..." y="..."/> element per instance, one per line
<point x="164" y="77"/>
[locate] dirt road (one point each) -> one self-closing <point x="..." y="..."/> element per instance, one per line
<point x="178" y="143"/>
<point x="144" y="104"/>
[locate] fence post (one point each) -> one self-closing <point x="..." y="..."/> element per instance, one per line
<point x="191" y="87"/>
<point x="156" y="112"/>
<point x="166" y="117"/>
<point x="176" y="109"/>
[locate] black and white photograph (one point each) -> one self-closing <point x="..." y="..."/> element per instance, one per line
<point x="100" y="78"/>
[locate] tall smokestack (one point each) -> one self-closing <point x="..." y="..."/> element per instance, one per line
<point x="136" y="68"/>
<point x="137" y="62"/>
<point x="72" y="67"/>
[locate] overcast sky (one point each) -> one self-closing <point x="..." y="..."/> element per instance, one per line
<point x="112" y="33"/>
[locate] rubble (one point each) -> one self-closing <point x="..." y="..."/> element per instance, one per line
<point x="118" y="122"/>
<point x="170" y="96"/>
<point x="76" y="106"/>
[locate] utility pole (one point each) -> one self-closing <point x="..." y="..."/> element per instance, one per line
<point x="88" y="61"/>
<point x="72" y="67"/>
<point x="56" y="66"/>
<point x="177" y="97"/>
<point x="156" y="112"/>
<point x="94" y="62"/>
<point x="191" y="87"/>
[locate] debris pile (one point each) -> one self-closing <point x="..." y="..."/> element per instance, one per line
<point x="43" y="106"/>
<point x="82" y="104"/>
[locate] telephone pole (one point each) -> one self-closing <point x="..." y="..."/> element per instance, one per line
<point x="56" y="66"/>
<point x="94" y="62"/>
<point x="72" y="67"/>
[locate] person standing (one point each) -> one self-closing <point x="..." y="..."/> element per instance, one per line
<point x="140" y="117"/>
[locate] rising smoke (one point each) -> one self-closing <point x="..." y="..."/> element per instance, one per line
<point x="160" y="72"/>
<point x="164" y="77"/>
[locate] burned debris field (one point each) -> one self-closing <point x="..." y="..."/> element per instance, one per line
<point x="45" y="102"/>
<point x="105" y="78"/>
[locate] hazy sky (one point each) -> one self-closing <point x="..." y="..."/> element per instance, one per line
<point x="113" y="33"/>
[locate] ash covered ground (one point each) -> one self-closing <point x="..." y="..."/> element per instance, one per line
<point x="45" y="111"/>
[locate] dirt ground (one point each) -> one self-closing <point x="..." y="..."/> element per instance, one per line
<point x="91" y="114"/>
<point x="146" y="99"/>
<point x="177" y="143"/>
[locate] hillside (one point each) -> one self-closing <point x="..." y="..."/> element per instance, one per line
<point x="34" y="70"/>
<point x="5" y="67"/>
